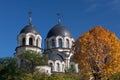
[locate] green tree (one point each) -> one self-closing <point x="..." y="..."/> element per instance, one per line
<point x="54" y="76"/>
<point x="61" y="76"/>
<point x="9" y="69"/>
<point x="71" y="69"/>
<point x="115" y="77"/>
<point x="32" y="59"/>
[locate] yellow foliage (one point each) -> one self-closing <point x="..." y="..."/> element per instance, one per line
<point x="98" y="50"/>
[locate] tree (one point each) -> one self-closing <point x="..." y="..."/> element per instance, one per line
<point x="31" y="59"/>
<point x="9" y="69"/>
<point x="115" y="77"/>
<point x="59" y="76"/>
<point x="97" y="52"/>
<point x="71" y="69"/>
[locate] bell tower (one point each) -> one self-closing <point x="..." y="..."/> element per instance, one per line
<point x="28" y="39"/>
<point x="58" y="47"/>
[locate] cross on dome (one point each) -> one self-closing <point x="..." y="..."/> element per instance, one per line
<point x="30" y="17"/>
<point x="59" y="16"/>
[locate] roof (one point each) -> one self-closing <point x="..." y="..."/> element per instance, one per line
<point x="29" y="29"/>
<point x="55" y="55"/>
<point x="59" y="30"/>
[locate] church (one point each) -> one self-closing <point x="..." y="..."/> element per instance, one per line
<point x="57" y="46"/>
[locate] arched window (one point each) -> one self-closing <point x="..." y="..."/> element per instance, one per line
<point x="51" y="65"/>
<point x="30" y="41"/>
<point x="23" y="41"/>
<point x="53" y="43"/>
<point x="37" y="42"/>
<point x="67" y="43"/>
<point x="58" y="67"/>
<point x="22" y="63"/>
<point x="60" y="43"/>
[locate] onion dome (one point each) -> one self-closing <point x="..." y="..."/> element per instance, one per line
<point x="29" y="29"/>
<point x="59" y="30"/>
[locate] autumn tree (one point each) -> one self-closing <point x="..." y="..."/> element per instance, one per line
<point x="97" y="52"/>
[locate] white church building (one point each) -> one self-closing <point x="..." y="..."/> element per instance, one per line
<point x="58" y="46"/>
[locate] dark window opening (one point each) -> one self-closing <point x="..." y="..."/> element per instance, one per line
<point x="60" y="43"/>
<point x="23" y="41"/>
<point x="53" y="43"/>
<point x="51" y="65"/>
<point x="30" y="41"/>
<point x="22" y="63"/>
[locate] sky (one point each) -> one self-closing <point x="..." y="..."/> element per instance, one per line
<point x="78" y="16"/>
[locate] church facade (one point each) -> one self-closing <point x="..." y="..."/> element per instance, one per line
<point x="58" y="46"/>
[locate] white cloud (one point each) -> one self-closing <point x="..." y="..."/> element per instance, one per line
<point x="113" y="2"/>
<point x="114" y="5"/>
<point x="91" y="8"/>
<point x="108" y="4"/>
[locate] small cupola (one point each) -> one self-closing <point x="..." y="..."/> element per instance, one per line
<point x="29" y="28"/>
<point x="28" y="39"/>
<point x="29" y="36"/>
<point x="58" y="36"/>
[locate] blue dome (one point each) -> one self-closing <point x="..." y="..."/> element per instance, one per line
<point x="59" y="30"/>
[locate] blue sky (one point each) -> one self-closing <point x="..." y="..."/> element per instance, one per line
<point x="77" y="15"/>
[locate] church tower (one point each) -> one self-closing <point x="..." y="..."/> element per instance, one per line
<point x="28" y="39"/>
<point x="58" y="44"/>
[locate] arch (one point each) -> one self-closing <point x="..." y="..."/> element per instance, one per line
<point x="53" y="43"/>
<point x="60" y="43"/>
<point x="31" y="38"/>
<point x="30" y="41"/>
<point x="37" y="42"/>
<point x="20" y="39"/>
<point x="23" y="41"/>
<point x="22" y="63"/>
<point x="51" y="65"/>
<point x="67" y="43"/>
<point x="58" y="67"/>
